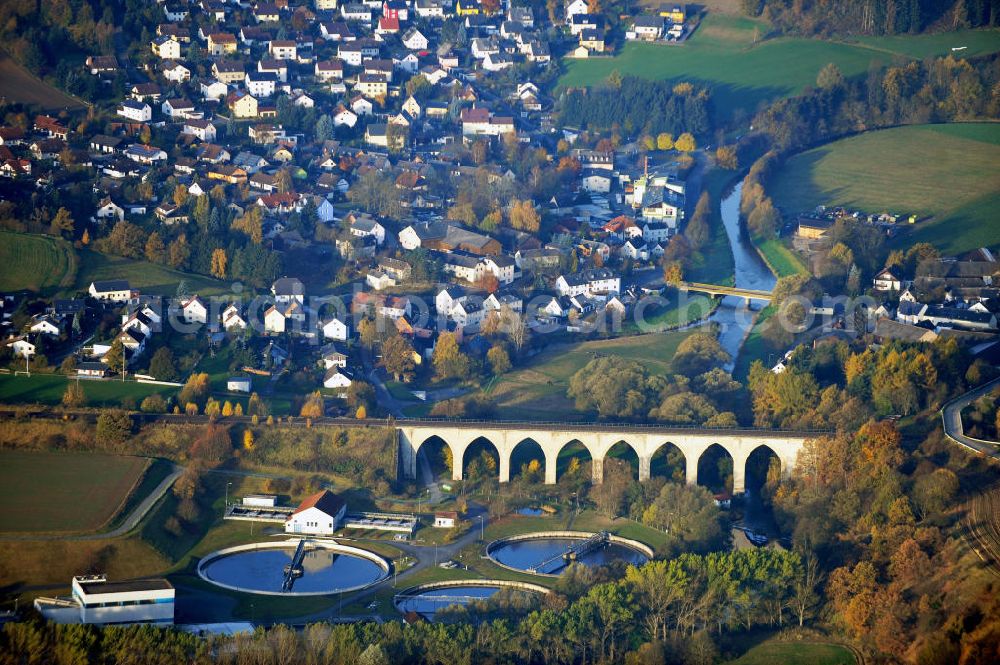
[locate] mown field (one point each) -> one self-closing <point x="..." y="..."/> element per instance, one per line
<point x="17" y="84"/>
<point x="45" y="492"/>
<point x="796" y="653"/>
<point x="49" y="389"/>
<point x="742" y="73"/>
<point x="948" y="175"/>
<point x="538" y="390"/>
<point x="36" y="263"/>
<point x="149" y="277"/>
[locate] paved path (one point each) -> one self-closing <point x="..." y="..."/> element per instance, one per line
<point x="951" y="416"/>
<point x="130" y="522"/>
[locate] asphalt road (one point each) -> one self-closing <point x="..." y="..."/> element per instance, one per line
<point x="951" y="417"/>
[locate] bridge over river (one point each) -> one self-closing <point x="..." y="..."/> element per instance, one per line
<point x="598" y="439"/>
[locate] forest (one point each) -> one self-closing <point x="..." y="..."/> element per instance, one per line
<point x="894" y="17"/>
<point x="635" y="105"/>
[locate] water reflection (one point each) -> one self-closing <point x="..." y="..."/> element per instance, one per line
<point x="323" y="570"/>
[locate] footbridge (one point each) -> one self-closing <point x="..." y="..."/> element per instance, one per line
<point x="716" y="290"/>
<point x="598" y="439"/>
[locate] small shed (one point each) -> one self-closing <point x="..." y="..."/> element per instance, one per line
<point x="446" y="520"/>
<point x="238" y="384"/>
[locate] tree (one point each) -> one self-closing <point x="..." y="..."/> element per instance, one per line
<point x="74" y="397"/>
<point x="114" y="426"/>
<point x="689" y="516"/>
<point x="227" y="409"/>
<point x="673" y="272"/>
<point x="397" y="358"/>
<point x="127" y="239"/>
<point x="162" y="365"/>
<point x="361" y="413"/>
<point x="829" y="77"/>
<point x="153" y="404"/>
<point x="664" y="141"/>
<point x="727" y="157"/>
<point x="180" y="195"/>
<point x="313" y="407"/>
<point x="697" y="354"/>
<point x="63" y="223"/>
<point x="115" y="357"/>
<point x="698" y="232"/>
<point x="248" y="440"/>
<point x="449" y="361"/>
<point x="498" y="359"/>
<point x="156" y="251"/>
<point x="219" y="262"/>
<point x="685" y="143"/>
<point x="195" y="388"/>
<point x="523" y="216"/>
<point x="179" y="252"/>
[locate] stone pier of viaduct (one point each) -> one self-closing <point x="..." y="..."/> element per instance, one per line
<point x="598" y="440"/>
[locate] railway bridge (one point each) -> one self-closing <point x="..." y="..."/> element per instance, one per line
<point x="598" y="439"/>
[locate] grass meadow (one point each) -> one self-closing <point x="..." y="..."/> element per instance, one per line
<point x="36" y="263"/>
<point x="537" y="391"/>
<point x="49" y="492"/>
<point x="947" y="175"/>
<point x="729" y="54"/>
<point x="17" y="84"/>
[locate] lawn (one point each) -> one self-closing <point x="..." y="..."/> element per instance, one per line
<point x="49" y="389"/>
<point x="947" y="175"/>
<point x="796" y="653"/>
<point x="46" y="492"/>
<point x="538" y="391"/>
<point x="17" y="84"/>
<point x="150" y="278"/>
<point x="36" y="263"/>
<point x="714" y="264"/>
<point x="742" y="74"/>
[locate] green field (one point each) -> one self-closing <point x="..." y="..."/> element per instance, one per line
<point x="148" y="277"/>
<point x="36" y="263"/>
<point x="17" y="84"/>
<point x="796" y="653"/>
<point x="44" y="492"/>
<point x="947" y="175"/>
<point x="722" y="53"/>
<point x="49" y="389"/>
<point x="538" y="390"/>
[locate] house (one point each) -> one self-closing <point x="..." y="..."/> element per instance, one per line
<point x="242" y="105"/>
<point x="337" y="379"/>
<point x="179" y="108"/>
<point x="283" y="49"/>
<point x="500" y="266"/>
<point x="887" y="281"/>
<point x="589" y="282"/>
<point x="112" y="290"/>
<point x="193" y="310"/>
<point x="415" y="40"/>
<point x="170" y="213"/>
<point x="645" y="27"/>
<point x="287" y="289"/>
<point x="204" y="130"/>
<point x="318" y="515"/>
<point x="228" y="71"/>
<point x="261" y="84"/>
<point x="110" y="210"/>
<point x="214" y="90"/>
<point x="363" y="225"/>
<point x="221" y="43"/>
<point x="239" y="384"/>
<point x="379" y="280"/>
<point x="175" y="71"/>
<point x="331" y="357"/>
<point x="274" y="320"/>
<point x="467" y="313"/>
<point x="95" y="600"/>
<point x="92" y="369"/>
<point x="445" y="237"/>
<point x="335" y="328"/>
<point x="166" y="47"/>
<point x="46" y="325"/>
<point x="372" y="85"/>
<point x="135" y="111"/>
<point x="231" y="319"/>
<point x="478" y="121"/>
<point x="329" y="70"/>
<point x="101" y="64"/>
<point x="343" y="117"/>
<point x="446" y="519"/>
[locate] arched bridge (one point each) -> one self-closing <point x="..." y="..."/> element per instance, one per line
<point x="716" y="290"/>
<point x="598" y="439"/>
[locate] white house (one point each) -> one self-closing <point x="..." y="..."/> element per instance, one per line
<point x="886" y="281"/>
<point x="95" y="600"/>
<point x="574" y="7"/>
<point x="135" y="111"/>
<point x="363" y="225"/>
<point x="319" y="515"/>
<point x="500" y="266"/>
<point x="231" y="319"/>
<point x="287" y="289"/>
<point x="193" y="310"/>
<point x="335" y="329"/>
<point x="110" y="210"/>
<point x="274" y="320"/>
<point x="337" y="379"/>
<point x="415" y="40"/>
<point x="589" y="282"/>
<point x="114" y="290"/>
<point x="21" y="347"/>
<point x="46" y="325"/>
<point x="445" y="520"/>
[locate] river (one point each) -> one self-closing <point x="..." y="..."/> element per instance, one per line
<point x="733" y="317"/>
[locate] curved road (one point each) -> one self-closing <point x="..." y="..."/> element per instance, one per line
<point x="130" y="522"/>
<point x="951" y="416"/>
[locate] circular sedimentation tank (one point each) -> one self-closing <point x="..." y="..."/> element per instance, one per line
<point x="322" y="567"/>
<point x="548" y="553"/>
<point x="428" y="599"/>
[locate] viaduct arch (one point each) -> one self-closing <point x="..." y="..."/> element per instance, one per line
<point x="598" y="440"/>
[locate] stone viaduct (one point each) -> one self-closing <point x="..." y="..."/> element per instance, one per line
<point x="598" y="439"/>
